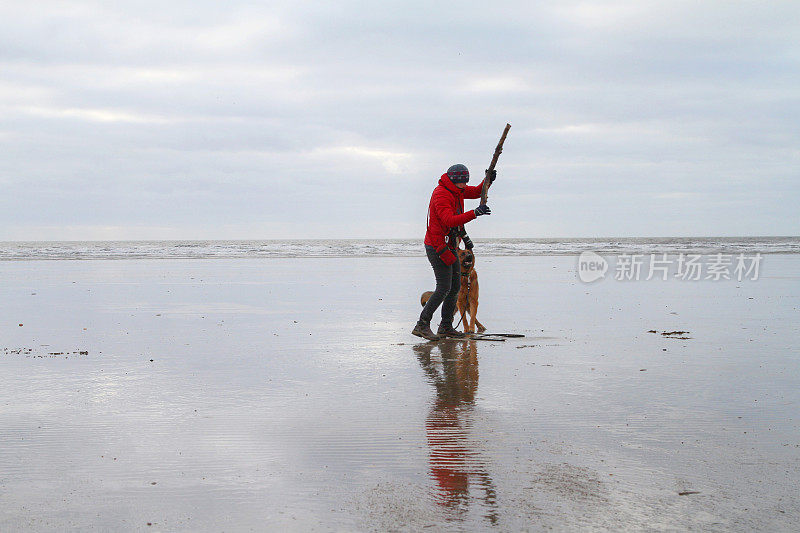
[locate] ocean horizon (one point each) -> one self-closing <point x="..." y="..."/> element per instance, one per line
<point x="209" y="249"/>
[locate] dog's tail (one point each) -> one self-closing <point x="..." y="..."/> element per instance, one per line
<point x="425" y="297"/>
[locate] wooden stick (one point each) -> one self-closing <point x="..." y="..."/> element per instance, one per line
<point x="497" y="152"/>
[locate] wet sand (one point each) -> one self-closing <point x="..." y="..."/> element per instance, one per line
<point x="254" y="394"/>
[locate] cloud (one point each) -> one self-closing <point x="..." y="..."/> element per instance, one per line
<point x="198" y="118"/>
<point x="392" y="162"/>
<point x="92" y="115"/>
<point x="500" y="85"/>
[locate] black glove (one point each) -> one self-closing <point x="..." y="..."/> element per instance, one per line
<point x="482" y="209"/>
<point x="467" y="242"/>
<point x="492" y="175"/>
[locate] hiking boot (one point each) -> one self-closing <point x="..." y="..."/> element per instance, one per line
<point x="424" y="331"/>
<point x="449" y="331"/>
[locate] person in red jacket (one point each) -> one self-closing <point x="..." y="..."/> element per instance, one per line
<point x="446" y="218"/>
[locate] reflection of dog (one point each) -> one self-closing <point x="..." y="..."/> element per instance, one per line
<point x="468" y="295"/>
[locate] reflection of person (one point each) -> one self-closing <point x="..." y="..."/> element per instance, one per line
<point x="446" y="216"/>
<point x="453" y="461"/>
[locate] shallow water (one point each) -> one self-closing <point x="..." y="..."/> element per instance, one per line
<point x="289" y="393"/>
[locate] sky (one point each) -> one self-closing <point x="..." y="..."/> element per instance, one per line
<point x="269" y="120"/>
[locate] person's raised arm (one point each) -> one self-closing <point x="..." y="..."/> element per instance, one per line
<point x="448" y="216"/>
<point x="475" y="192"/>
<point x="471" y="192"/>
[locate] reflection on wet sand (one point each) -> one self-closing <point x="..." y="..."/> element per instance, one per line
<point x="455" y="463"/>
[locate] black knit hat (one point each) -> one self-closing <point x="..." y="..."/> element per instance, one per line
<point x="458" y="173"/>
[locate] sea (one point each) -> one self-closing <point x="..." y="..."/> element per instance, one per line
<point x="210" y="249"/>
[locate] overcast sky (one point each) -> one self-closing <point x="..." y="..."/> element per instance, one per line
<point x="249" y="120"/>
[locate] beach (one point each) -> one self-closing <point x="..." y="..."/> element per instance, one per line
<point x="287" y="393"/>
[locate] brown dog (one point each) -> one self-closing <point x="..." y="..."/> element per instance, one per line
<point x="468" y="295"/>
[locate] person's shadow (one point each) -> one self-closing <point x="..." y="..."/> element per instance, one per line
<point x="455" y="463"/>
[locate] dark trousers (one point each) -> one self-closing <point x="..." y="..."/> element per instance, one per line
<point x="448" y="283"/>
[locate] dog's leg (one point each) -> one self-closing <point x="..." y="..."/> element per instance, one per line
<point x="481" y="327"/>
<point x="462" y="310"/>
<point x="473" y="311"/>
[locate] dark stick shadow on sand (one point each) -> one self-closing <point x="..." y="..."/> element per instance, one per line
<point x="455" y="463"/>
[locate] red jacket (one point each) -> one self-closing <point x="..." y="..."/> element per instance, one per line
<point x="447" y="201"/>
